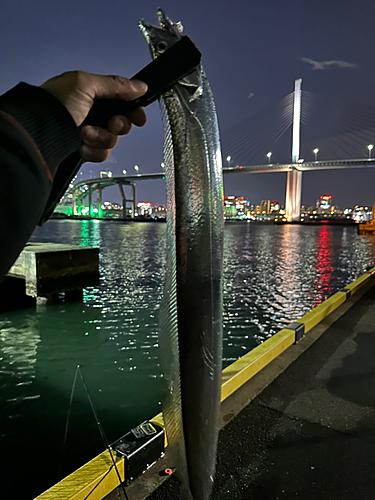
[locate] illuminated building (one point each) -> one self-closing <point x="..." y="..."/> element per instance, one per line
<point x="324" y="204"/>
<point x="230" y="211"/>
<point x="236" y="208"/>
<point x="146" y="209"/>
<point x="110" y="209"/>
<point x="143" y="209"/>
<point x="274" y="207"/>
<point x="265" y="206"/>
<point x="307" y="209"/>
<point x="240" y="208"/>
<point x="243" y="207"/>
<point x="360" y="214"/>
<point x="159" y="211"/>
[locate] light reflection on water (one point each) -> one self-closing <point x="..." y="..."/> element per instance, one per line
<point x="272" y="275"/>
<point x="275" y="274"/>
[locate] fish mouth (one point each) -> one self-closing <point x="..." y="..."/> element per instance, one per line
<point x="162" y="37"/>
<point x="168" y="25"/>
<point x="165" y="24"/>
<point x="146" y="30"/>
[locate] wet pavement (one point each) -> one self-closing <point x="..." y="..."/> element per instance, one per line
<point x="311" y="433"/>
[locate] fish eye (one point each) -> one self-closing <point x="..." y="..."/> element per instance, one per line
<point x="162" y="46"/>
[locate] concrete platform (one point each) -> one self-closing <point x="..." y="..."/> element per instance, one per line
<point x="311" y="433"/>
<point x="45" y="270"/>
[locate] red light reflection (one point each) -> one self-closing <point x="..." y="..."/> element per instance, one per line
<point x="323" y="267"/>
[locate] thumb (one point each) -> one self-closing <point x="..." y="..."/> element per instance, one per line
<point x="116" y="87"/>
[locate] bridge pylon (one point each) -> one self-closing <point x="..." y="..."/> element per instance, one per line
<point x="293" y="193"/>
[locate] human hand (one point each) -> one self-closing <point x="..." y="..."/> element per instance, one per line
<point x="77" y="91"/>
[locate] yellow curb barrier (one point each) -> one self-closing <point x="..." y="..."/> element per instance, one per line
<point x="316" y="315"/>
<point x="94" y="480"/>
<point x="242" y="370"/>
<point x="358" y="283"/>
<point x="158" y="420"/>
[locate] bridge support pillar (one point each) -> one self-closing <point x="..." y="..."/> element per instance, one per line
<point x="90" y="200"/>
<point x="293" y="195"/>
<point x="124" y="201"/>
<point x="133" y="199"/>
<point x="100" y="202"/>
<point x="74" y="200"/>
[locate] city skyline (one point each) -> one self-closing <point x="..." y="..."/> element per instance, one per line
<point x="318" y="182"/>
<point x="111" y="194"/>
<point x="233" y="207"/>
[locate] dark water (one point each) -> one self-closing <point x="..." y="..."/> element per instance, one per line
<point x="273" y="275"/>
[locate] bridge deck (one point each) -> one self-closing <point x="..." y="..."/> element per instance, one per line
<point x="311" y="433"/>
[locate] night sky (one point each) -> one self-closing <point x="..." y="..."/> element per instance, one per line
<point x="252" y="53"/>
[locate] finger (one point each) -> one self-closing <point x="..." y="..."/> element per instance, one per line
<point x="98" y="137"/>
<point x="116" y="87"/>
<point x="138" y="117"/>
<point x="95" y="155"/>
<point x="119" y="125"/>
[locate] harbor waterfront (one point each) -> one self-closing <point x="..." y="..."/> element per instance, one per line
<point x="272" y="275"/>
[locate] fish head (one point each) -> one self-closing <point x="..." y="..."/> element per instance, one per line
<point x="162" y="37"/>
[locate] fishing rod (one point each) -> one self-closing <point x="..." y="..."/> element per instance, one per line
<point x="102" y="433"/>
<point x="100" y="427"/>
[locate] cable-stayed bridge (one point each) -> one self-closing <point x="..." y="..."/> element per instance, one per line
<point x="339" y="129"/>
<point x="340" y="132"/>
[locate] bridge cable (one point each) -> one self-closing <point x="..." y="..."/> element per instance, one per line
<point x="247" y="140"/>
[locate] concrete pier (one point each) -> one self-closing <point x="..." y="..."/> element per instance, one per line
<point x="45" y="270"/>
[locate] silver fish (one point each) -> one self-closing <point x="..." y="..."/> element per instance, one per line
<point x="191" y="313"/>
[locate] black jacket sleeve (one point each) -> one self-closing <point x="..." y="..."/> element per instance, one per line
<point x="36" y="134"/>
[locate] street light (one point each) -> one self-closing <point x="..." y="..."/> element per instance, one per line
<point x="369" y="147"/>
<point x="124" y="172"/>
<point x="162" y="165"/>
<point x="136" y="168"/>
<point x="316" y="151"/>
<point x="269" y="156"/>
<point x="229" y="159"/>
